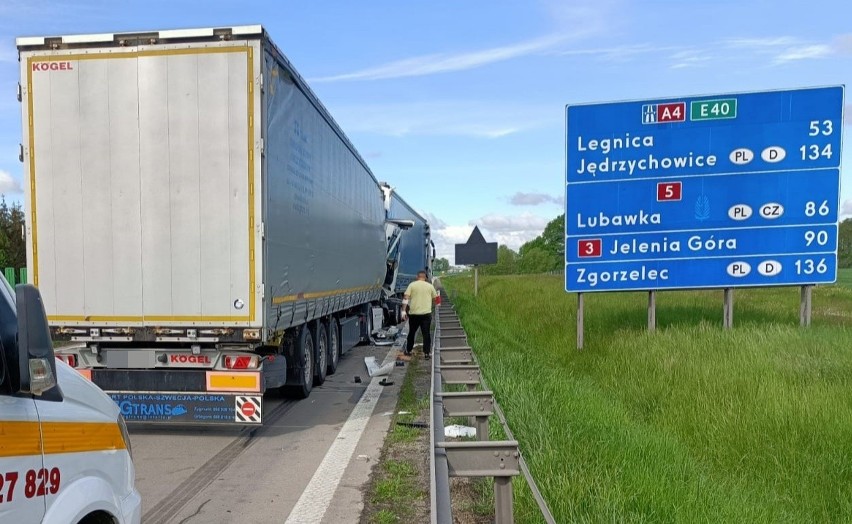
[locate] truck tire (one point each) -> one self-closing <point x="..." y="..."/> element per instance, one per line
<point x="333" y="345"/>
<point x="305" y="352"/>
<point x="321" y="367"/>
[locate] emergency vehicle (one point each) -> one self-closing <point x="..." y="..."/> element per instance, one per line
<point x="65" y="453"/>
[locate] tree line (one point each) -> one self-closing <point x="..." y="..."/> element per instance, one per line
<point x="13" y="246"/>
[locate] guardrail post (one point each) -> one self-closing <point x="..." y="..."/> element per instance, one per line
<point x="500" y="460"/>
<point x="482" y="428"/>
<point x="503" y="500"/>
<point x="476" y="405"/>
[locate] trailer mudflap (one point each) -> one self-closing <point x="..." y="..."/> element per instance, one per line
<point x="189" y="408"/>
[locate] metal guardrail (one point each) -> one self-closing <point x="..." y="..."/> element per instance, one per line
<point x="455" y="363"/>
<point x="439" y="471"/>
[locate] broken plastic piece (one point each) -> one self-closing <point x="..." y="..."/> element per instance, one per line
<point x="373" y="368"/>
<point x="459" y="431"/>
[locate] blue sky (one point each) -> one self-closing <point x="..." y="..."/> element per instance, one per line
<point x="460" y="105"/>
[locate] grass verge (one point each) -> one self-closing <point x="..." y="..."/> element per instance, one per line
<point x="844" y="277"/>
<point x="398" y="490"/>
<point x="687" y="424"/>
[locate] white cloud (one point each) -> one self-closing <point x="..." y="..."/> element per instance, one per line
<point x="620" y="53"/>
<point x="573" y="20"/>
<point x="9" y="184"/>
<point x="759" y="44"/>
<point x="515" y="239"/>
<point x="434" y="221"/>
<point x="446" y="62"/>
<point x="689" y="58"/>
<point x="511" y="223"/>
<point x="446" y="238"/>
<point x="534" y="199"/>
<point x="456" y="118"/>
<point x="805" y="52"/>
<point x="774" y="50"/>
<point x="509" y="230"/>
<point x="846" y="208"/>
<point x="785" y="49"/>
<point x="584" y="18"/>
<point x="512" y="231"/>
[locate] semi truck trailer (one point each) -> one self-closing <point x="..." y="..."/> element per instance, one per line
<point x="409" y="252"/>
<point x="201" y="229"/>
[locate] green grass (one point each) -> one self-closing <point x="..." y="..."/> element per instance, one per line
<point x="690" y="423"/>
<point x="407" y="403"/>
<point x="844" y="277"/>
<point x="396" y="488"/>
<point x="396" y="482"/>
<point x="385" y="517"/>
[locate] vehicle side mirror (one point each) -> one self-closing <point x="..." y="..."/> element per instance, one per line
<point x="36" y="360"/>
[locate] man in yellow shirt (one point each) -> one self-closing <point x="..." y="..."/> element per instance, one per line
<point x="417" y="305"/>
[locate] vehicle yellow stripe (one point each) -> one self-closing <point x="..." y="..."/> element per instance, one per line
<point x="251" y="232"/>
<point x="31" y="155"/>
<point x="227" y="381"/>
<point x="320" y="294"/>
<point x="252" y="292"/>
<point x="21" y="438"/>
<point x="81" y="437"/>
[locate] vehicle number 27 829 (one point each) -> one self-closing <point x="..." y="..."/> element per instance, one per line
<point x="35" y="483"/>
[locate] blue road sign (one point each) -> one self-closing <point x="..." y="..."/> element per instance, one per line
<point x="727" y="190"/>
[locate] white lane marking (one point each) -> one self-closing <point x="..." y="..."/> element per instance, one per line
<point x="317" y="496"/>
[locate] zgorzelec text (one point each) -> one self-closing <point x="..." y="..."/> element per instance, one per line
<point x="630" y="166"/>
<point x="592" y="278"/>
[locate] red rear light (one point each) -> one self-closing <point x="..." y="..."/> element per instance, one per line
<point x="240" y="362"/>
<point x="71" y="360"/>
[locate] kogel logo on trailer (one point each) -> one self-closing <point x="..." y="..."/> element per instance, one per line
<point x="742" y="192"/>
<point x="663" y="113"/>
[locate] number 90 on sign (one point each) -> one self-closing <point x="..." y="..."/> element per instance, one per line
<point x="819" y="238"/>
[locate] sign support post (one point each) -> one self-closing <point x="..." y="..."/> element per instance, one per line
<point x="652" y="310"/>
<point x="475" y="280"/>
<point x="805" y="306"/>
<point x="579" y="321"/>
<point x="728" y="311"/>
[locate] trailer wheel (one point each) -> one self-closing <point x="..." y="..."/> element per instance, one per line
<point x="305" y="349"/>
<point x="333" y="345"/>
<point x="321" y="355"/>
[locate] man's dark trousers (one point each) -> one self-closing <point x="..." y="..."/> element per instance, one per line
<point x="424" y="323"/>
